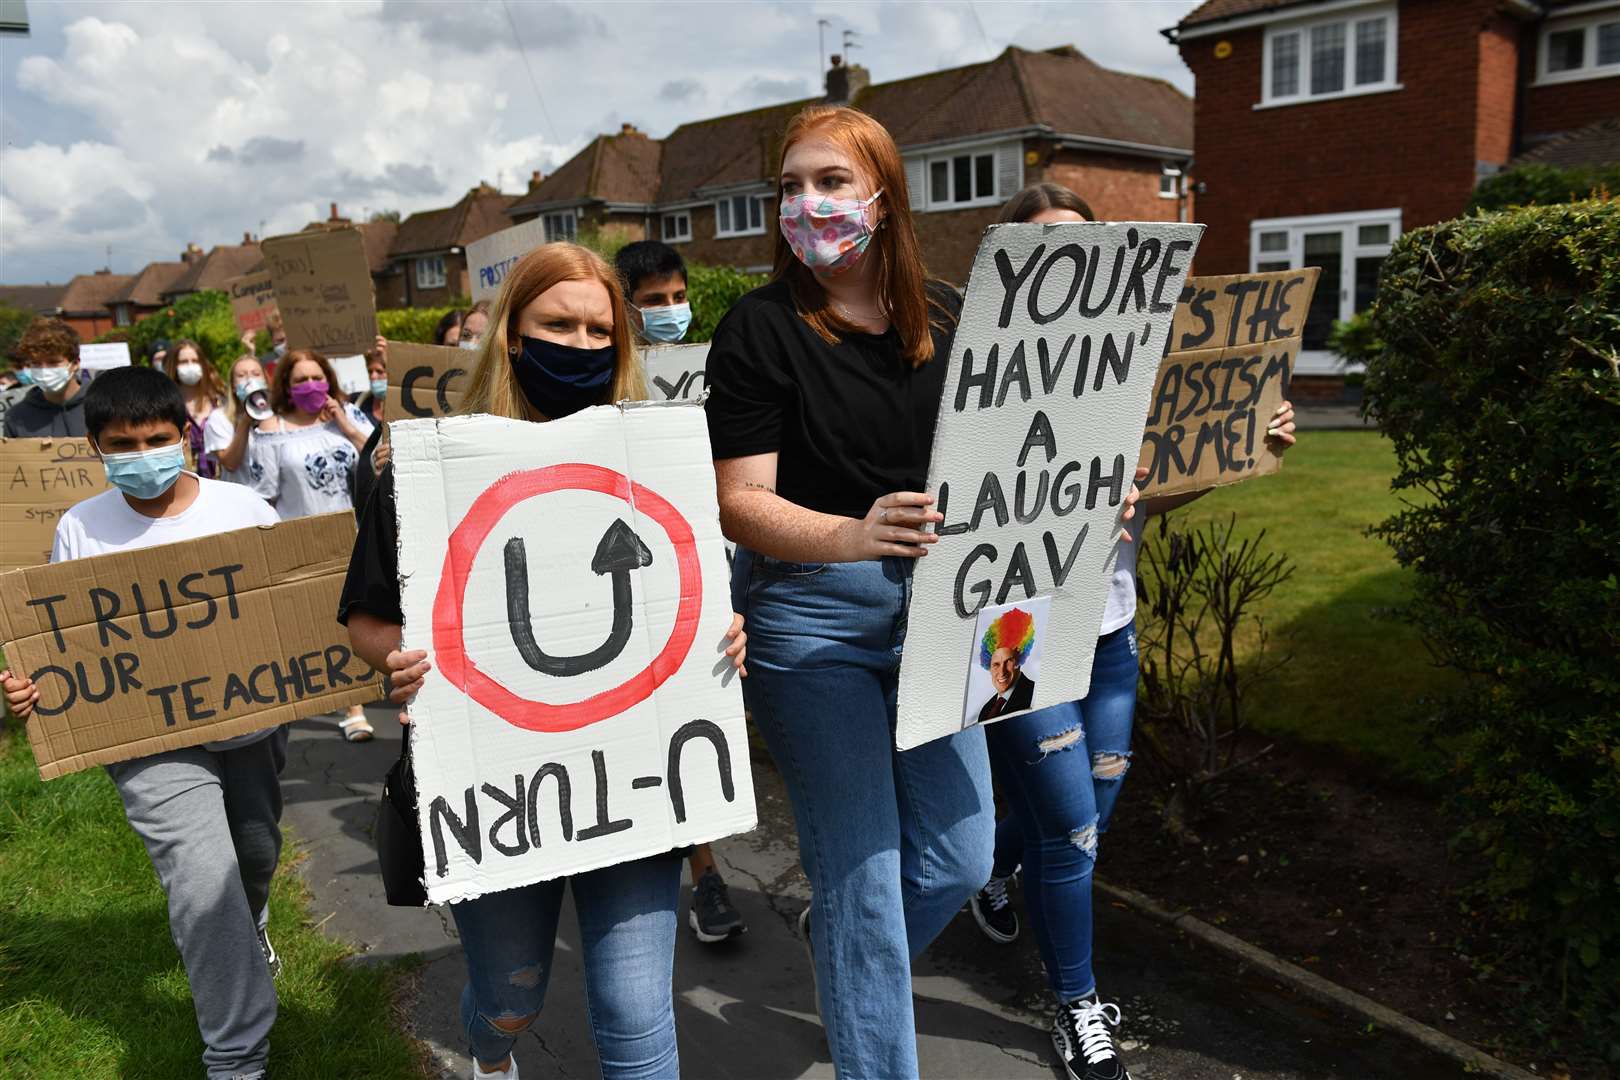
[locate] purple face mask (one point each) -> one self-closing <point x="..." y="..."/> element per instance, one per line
<point x="310" y="396"/>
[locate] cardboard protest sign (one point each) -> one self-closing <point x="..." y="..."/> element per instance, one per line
<point x="10" y="396"/>
<point x="253" y="300"/>
<point x="144" y="651"/>
<point x="1040" y="424"/>
<point x="322" y="285"/>
<point x="489" y="259"/>
<point x="568" y="582"/>
<point x="39" y="480"/>
<point x="110" y="354"/>
<point x="675" y="372"/>
<point x="424" y="380"/>
<point x="1233" y="348"/>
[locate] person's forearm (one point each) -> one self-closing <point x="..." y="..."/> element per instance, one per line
<point x="765" y="522"/>
<point x="353" y="433"/>
<point x="1163" y="504"/>
<point x="373" y="638"/>
<point x="231" y="457"/>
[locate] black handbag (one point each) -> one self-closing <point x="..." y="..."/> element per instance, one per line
<point x="399" y="838"/>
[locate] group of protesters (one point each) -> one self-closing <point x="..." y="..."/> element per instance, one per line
<point x="824" y="386"/>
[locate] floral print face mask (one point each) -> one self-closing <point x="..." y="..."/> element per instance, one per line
<point x="828" y="235"/>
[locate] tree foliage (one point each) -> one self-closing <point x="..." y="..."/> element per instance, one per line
<point x="13" y="321"/>
<point x="204" y="317"/>
<point x="1544" y="185"/>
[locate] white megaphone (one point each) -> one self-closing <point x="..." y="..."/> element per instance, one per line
<point x="257" y="401"/>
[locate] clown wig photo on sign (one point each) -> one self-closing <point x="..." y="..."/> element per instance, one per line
<point x="1006" y="660"/>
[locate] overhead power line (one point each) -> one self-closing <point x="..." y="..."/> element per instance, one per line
<point x="533" y="82"/>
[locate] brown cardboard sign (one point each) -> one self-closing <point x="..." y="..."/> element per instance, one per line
<point x="322" y="283"/>
<point x="253" y="300"/>
<point x="425" y="380"/>
<point x="1233" y="346"/>
<point x="144" y="651"/>
<point x="39" y="480"/>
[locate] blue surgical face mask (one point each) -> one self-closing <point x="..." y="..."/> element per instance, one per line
<point x="560" y="380"/>
<point x="665" y="325"/>
<point x="51" y="379"/>
<point x="25" y="377"/>
<point x="379" y="388"/>
<point x="145" y="474"/>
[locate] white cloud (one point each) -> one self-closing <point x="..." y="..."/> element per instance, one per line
<point x="146" y="126"/>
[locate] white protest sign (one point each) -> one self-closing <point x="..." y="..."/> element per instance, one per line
<point x="352" y="376"/>
<point x="569" y="584"/>
<point x="675" y="372"/>
<point x="489" y="259"/>
<point x="100" y="357"/>
<point x="1040" y="425"/>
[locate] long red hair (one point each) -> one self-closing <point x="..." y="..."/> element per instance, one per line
<point x="900" y="274"/>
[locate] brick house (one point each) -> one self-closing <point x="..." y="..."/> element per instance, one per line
<point x="35" y="299"/>
<point x="143" y="296"/>
<point x="430" y="249"/>
<point x="1326" y="128"/>
<point x="970" y="137"/>
<point x="213" y="270"/>
<point x="83" y="304"/>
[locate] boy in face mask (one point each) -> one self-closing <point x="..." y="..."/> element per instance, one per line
<point x="655" y="284"/>
<point x="209" y="815"/>
<point x="49" y="354"/>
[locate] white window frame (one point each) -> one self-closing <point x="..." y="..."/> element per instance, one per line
<point x="1349" y="20"/>
<point x="560" y="225"/>
<point x="922" y="167"/>
<point x="682" y="219"/>
<point x="1171" y="172"/>
<point x="1349" y="225"/>
<point x="1590" y="68"/>
<point x="731" y="203"/>
<point x="430" y="272"/>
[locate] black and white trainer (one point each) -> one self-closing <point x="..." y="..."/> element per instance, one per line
<point x="271" y="960"/>
<point x="993" y="911"/>
<point x="1082" y="1035"/>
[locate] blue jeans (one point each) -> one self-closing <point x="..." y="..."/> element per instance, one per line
<point x="1060" y="770"/>
<point x="627" y="928"/>
<point x="893" y="843"/>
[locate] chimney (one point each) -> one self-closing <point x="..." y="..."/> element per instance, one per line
<point x="628" y="129"/>
<point x="844" y="83"/>
<point x="247" y="238"/>
<point x="334" y="216"/>
<point x="536" y="178"/>
<point x="191" y="254"/>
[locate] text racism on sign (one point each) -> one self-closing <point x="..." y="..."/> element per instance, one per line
<point x="144" y="651"/>
<point x="424" y="380"/>
<point x="322" y="285"/>
<point x="39" y="480"/>
<point x="676" y="372"/>
<point x="1234" y="344"/>
<point x="490" y="259"/>
<point x="1040" y="425"/>
<point x="569" y="583"/>
<point x="253" y="300"/>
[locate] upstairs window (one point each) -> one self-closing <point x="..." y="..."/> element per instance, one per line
<point x="956" y="180"/>
<point x="1352" y="53"/>
<point x="430" y="272"/>
<point x="740" y="215"/>
<point x="562" y="225"/>
<point x="1169" y="181"/>
<point x="1575" y="49"/>
<point x="677" y="227"/>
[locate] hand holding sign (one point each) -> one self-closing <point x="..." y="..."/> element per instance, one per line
<point x="893" y="526"/>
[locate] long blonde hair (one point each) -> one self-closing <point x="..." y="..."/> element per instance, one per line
<point x="492" y="387"/>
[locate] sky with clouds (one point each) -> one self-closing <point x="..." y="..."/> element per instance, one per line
<point x="138" y="127"/>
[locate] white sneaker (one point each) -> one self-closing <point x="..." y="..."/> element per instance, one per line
<point x="509" y="1073"/>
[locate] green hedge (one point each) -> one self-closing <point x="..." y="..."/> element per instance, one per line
<point x="1493" y="363"/>
<point x="1544" y="185"/>
<point x="204" y="317"/>
<point x="410" y="324"/>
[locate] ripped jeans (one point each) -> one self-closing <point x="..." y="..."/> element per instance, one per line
<point x="1060" y="770"/>
<point x="627" y="930"/>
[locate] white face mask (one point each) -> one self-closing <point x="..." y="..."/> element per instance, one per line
<point x="468" y="343"/>
<point x="52" y="380"/>
<point x="189" y="373"/>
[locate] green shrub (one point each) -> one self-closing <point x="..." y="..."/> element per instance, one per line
<point x="1544" y="185"/>
<point x="712" y="290"/>
<point x="1493" y="363"/>
<point x="410" y="324"/>
<point x="13" y="321"/>
<point x="204" y="317"/>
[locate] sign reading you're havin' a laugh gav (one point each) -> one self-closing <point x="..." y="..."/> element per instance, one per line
<point x="1040" y="426"/>
<point x="568" y="581"/>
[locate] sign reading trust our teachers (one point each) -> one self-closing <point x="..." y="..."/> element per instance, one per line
<point x="569" y="582"/>
<point x="1040" y="426"/>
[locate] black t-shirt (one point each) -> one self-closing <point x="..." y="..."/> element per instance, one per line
<point x="849" y="422"/>
<point x="363" y="477"/>
<point x="372" y="584"/>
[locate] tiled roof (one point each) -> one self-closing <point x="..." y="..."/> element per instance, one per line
<point x="1219" y="10"/>
<point x="1060" y="89"/>
<point x="90" y="293"/>
<point x="213" y="270"/>
<point x="146" y="288"/>
<point x="479" y="212"/>
<point x="1595" y="144"/>
<point x="39" y="299"/>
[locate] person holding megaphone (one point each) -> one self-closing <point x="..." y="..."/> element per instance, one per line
<point x="228" y="433"/>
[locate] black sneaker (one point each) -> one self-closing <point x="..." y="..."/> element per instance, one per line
<point x="1082" y="1036"/>
<point x="712" y="917"/>
<point x="993" y="911"/>
<point x="271" y="960"/>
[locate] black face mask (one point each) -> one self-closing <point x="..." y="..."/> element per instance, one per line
<point x="560" y="380"/>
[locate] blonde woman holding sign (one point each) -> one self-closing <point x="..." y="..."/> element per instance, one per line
<point x="559" y="341"/>
<point x="825" y="386"/>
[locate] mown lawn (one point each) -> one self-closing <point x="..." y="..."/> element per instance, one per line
<point x="91" y="986"/>
<point x="1358" y="679"/>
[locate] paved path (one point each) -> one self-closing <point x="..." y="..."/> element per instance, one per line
<point x="744" y="1010"/>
